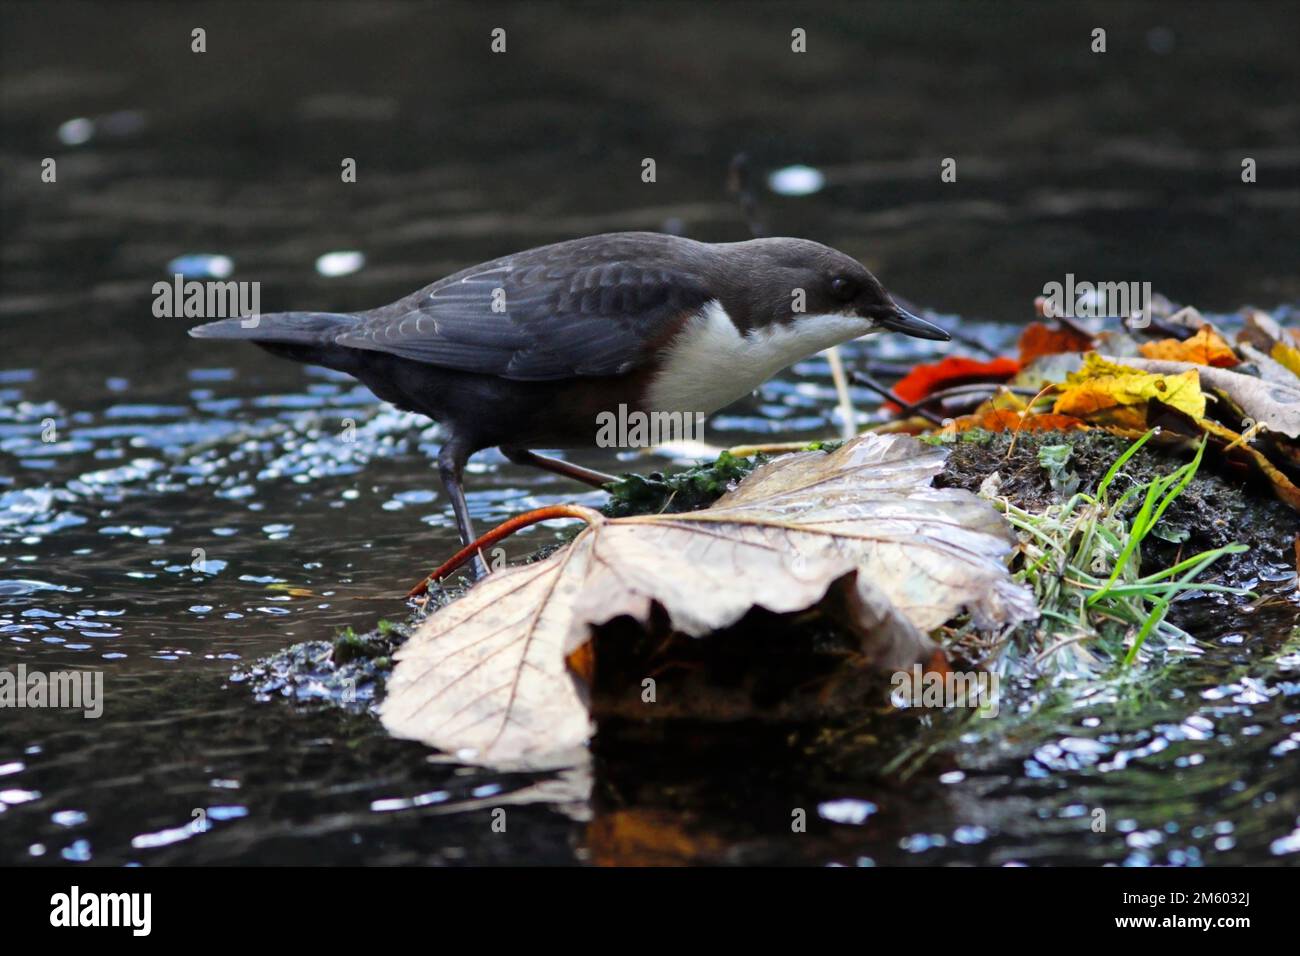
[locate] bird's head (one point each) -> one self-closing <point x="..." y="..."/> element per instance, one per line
<point x="798" y="284"/>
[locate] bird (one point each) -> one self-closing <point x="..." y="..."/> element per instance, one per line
<point x="526" y="351"/>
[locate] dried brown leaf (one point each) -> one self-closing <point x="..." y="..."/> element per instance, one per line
<point x="487" y="673"/>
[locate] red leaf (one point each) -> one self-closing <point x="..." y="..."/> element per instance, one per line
<point x="925" y="380"/>
<point x="1038" y="340"/>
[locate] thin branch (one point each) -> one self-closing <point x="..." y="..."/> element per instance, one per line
<point x="910" y="408"/>
<point x="848" y="414"/>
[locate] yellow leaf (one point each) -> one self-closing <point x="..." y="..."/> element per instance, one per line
<point x="1109" y="394"/>
<point x="290" y="590"/>
<point x="1286" y="355"/>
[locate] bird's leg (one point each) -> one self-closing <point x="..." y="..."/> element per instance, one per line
<point x="451" y="466"/>
<point x="522" y="456"/>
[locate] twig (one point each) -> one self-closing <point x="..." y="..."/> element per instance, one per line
<point x="1021" y="424"/>
<point x="849" y="414"/>
<point x="971" y="342"/>
<point x="893" y="369"/>
<point x="918" y="407"/>
<point x="862" y="378"/>
<point x="975" y="387"/>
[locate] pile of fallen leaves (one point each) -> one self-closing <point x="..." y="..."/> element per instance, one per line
<point x="1176" y="372"/>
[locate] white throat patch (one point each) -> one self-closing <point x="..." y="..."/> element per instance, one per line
<point x="710" y="364"/>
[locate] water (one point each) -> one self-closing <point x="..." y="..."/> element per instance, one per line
<point x="205" y="504"/>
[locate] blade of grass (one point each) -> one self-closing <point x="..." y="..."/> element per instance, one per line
<point x="1120" y="462"/>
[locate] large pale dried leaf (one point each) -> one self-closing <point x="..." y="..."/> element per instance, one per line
<point x="1274" y="405"/>
<point x="488" y="673"/>
<point x="1270" y="370"/>
<point x="1265" y="334"/>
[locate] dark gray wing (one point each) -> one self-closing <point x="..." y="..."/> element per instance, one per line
<point x="538" y="315"/>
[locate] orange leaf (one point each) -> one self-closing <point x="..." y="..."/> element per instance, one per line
<point x="582" y="661"/>
<point x="1038" y="340"/>
<point x="925" y="379"/>
<point x="1206" y="347"/>
<point x="1006" y="420"/>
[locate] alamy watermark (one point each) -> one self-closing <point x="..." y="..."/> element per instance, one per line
<point x="133" y="911"/>
<point x="637" y="429"/>
<point x="73" y="690"/>
<point x="208" y="300"/>
<point x="921" y="688"/>
<point x="1130" y="301"/>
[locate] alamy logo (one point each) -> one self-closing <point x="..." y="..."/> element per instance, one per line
<point x="1098" y="300"/>
<point x="208" y="300"/>
<point x="921" y="688"/>
<point x="637" y="429"/>
<point x="75" y="690"/>
<point x="103" y="909"/>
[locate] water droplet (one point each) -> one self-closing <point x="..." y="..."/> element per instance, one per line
<point x="202" y="265"/>
<point x="848" y="810"/>
<point x="77" y="131"/>
<point x="340" y="263"/>
<point x="796" y="181"/>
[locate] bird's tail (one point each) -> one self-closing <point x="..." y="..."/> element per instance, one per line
<point x="289" y="328"/>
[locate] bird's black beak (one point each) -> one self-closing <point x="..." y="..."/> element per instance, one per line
<point x="903" y="321"/>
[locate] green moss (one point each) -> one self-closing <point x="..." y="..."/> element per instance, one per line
<point x="376" y="645"/>
<point x="688" y="490"/>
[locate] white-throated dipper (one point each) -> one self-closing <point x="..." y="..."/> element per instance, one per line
<point x="526" y="351"/>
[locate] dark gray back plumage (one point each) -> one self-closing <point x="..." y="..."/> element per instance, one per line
<point x="582" y="308"/>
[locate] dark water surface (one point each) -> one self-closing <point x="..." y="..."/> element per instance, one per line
<point x="1123" y="167"/>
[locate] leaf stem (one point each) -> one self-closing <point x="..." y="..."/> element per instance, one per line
<point x="503" y="530"/>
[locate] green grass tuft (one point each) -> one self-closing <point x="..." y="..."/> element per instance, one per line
<point x="1083" y="561"/>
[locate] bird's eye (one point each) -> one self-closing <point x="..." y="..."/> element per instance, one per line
<point x="844" y="289"/>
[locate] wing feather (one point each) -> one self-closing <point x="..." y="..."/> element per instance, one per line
<point x="590" y="310"/>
